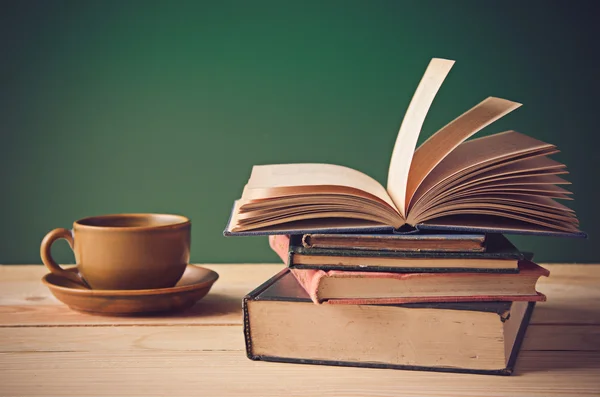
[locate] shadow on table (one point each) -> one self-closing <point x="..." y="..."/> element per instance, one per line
<point x="554" y="345"/>
<point x="215" y="305"/>
<point x="566" y="314"/>
<point x="557" y="361"/>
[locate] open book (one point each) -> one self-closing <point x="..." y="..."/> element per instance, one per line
<point x="499" y="183"/>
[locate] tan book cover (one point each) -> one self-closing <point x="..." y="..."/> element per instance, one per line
<point x="281" y="324"/>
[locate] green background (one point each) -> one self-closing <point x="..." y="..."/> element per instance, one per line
<point x="125" y="106"/>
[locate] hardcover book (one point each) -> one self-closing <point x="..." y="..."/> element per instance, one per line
<point x="499" y="256"/>
<point x="281" y="324"/>
<point x="421" y="242"/>
<point x="503" y="183"/>
<point x="349" y="287"/>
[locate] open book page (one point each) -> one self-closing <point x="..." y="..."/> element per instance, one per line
<point x="522" y="180"/>
<point x="536" y="205"/>
<point x="443" y="142"/>
<point x="287" y="218"/>
<point x="471" y="187"/>
<point x="304" y="205"/>
<point x="522" y="168"/>
<point x="505" y="223"/>
<point x="532" y="189"/>
<point x="487" y="204"/>
<point x="473" y="155"/>
<point x="480" y="191"/>
<point x="406" y="141"/>
<point x="538" y="165"/>
<point x="308" y="224"/>
<point x="306" y="178"/>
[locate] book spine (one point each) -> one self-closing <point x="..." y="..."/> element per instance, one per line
<point x="280" y="244"/>
<point x="246" y="316"/>
<point x="391" y="242"/>
<point x="359" y="364"/>
<point x="538" y="297"/>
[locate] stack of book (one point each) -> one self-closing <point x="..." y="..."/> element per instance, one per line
<point x="417" y="275"/>
<point x="456" y="302"/>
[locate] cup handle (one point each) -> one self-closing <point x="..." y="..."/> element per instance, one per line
<point x="46" y="255"/>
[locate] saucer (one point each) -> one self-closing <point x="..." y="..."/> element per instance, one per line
<point x="193" y="286"/>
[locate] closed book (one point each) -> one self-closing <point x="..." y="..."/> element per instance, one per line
<point x="420" y="242"/>
<point x="500" y="256"/>
<point x="281" y="324"/>
<point x="344" y="287"/>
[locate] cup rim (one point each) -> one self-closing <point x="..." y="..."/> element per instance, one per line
<point x="178" y="221"/>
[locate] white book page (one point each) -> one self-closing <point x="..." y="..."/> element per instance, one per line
<point x="305" y="176"/>
<point x="476" y="153"/>
<point x="443" y="142"/>
<point x="406" y="142"/>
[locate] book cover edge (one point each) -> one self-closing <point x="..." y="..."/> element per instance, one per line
<point x="502" y="372"/>
<point x="520" y="337"/>
<point x="537" y="297"/>
<point x="407" y="269"/>
<point x="252" y="295"/>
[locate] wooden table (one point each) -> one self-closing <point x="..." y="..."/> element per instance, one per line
<point x="47" y="349"/>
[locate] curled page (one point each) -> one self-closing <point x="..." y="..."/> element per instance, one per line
<point x="444" y="141"/>
<point x="273" y="176"/>
<point x="406" y="142"/>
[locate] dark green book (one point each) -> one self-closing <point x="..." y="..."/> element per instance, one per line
<point x="499" y="256"/>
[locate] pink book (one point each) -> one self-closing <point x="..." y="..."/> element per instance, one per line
<point x="343" y="287"/>
<point x="280" y="244"/>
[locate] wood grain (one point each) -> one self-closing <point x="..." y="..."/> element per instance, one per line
<point x="572" y="291"/>
<point x="103" y="339"/>
<point x="207" y="337"/>
<point x="215" y="373"/>
<point x="47" y="349"/>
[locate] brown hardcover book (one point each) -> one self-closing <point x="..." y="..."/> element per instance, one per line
<point x="344" y="287"/>
<point x="281" y="324"/>
<point x="397" y="242"/>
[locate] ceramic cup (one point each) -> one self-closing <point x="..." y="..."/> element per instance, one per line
<point x="124" y="251"/>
